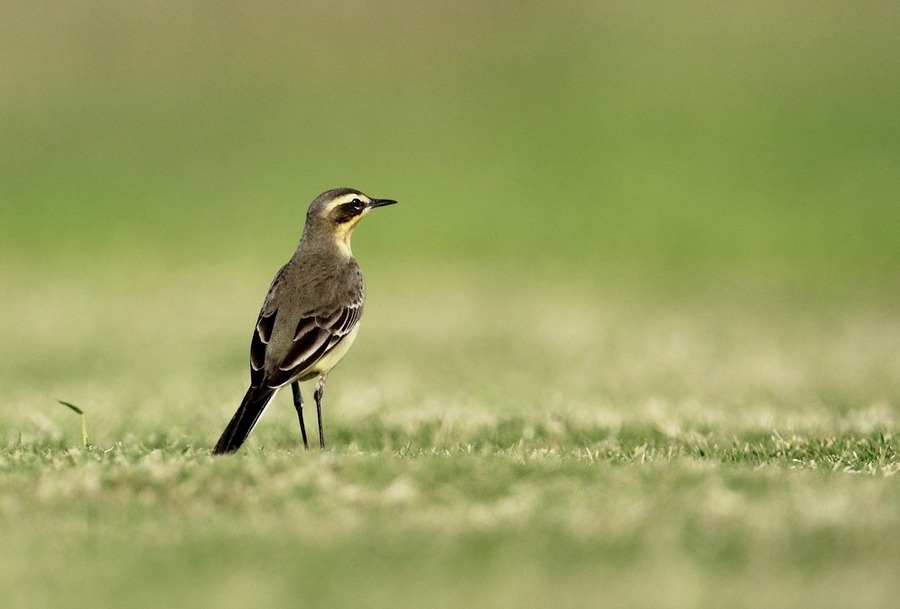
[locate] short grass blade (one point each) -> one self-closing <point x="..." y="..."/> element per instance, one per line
<point x="84" y="437"/>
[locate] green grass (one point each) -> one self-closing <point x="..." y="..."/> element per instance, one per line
<point x="709" y="452"/>
<point x="631" y="336"/>
<point x="577" y="516"/>
<point x="645" y="135"/>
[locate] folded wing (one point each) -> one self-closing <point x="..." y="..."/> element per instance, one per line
<point x="315" y="336"/>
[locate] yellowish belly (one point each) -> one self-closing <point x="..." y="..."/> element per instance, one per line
<point x="330" y="359"/>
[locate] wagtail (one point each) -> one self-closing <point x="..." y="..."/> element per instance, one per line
<point x="310" y="316"/>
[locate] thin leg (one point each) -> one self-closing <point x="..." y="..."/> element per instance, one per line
<point x="320" y="389"/>
<point x="298" y="404"/>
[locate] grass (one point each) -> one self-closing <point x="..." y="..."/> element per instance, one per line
<point x="575" y="515"/>
<point x="759" y="470"/>
<point x="80" y="413"/>
<point x="630" y="339"/>
<point x="761" y="137"/>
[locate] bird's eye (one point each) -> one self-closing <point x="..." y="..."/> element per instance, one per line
<point x="357" y="204"/>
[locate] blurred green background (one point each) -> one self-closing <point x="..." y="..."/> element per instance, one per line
<point x="631" y="333"/>
<point x="600" y="139"/>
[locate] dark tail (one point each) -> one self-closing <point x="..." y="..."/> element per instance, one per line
<point x="244" y="419"/>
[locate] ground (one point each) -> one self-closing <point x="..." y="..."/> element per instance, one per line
<point x="593" y="452"/>
<point x="631" y="336"/>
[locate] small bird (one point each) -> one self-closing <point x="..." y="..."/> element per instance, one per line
<point x="310" y="316"/>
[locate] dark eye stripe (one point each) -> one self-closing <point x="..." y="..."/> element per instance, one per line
<point x="348" y="211"/>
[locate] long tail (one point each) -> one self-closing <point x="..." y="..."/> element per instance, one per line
<point x="244" y="419"/>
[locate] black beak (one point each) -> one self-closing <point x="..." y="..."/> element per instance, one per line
<point x="381" y="202"/>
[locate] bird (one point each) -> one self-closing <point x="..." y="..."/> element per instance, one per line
<point x="310" y="316"/>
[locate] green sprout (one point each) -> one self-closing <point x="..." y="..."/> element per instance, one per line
<point x="84" y="438"/>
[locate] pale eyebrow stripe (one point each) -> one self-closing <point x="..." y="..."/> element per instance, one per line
<point x="346" y="199"/>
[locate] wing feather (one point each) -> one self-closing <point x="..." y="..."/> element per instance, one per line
<point x="317" y="332"/>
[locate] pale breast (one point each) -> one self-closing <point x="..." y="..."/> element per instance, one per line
<point x="332" y="357"/>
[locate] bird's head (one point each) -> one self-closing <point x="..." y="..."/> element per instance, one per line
<point x="335" y="213"/>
